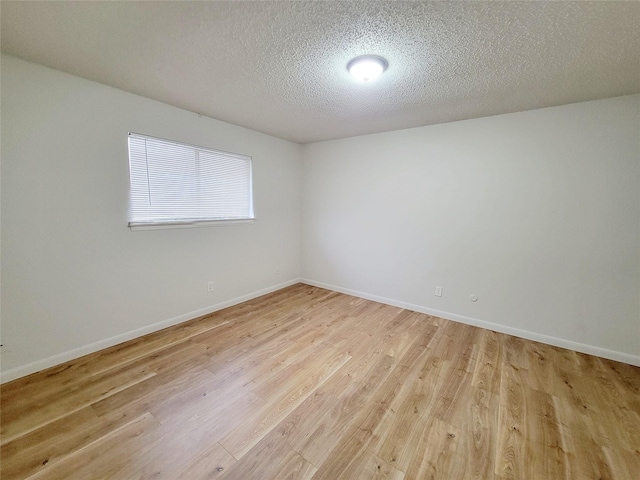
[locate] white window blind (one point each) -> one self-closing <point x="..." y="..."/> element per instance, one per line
<point x="174" y="184"/>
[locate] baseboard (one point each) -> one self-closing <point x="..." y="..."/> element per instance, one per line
<point x="516" y="332"/>
<point x="54" y="360"/>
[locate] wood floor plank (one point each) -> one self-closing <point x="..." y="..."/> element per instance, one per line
<point x="623" y="463"/>
<point x="438" y="454"/>
<point x="108" y="457"/>
<point x="196" y="406"/>
<point x="270" y="458"/>
<point x="122" y="354"/>
<point x="309" y="384"/>
<point x="33" y="388"/>
<point x="315" y="440"/>
<point x="32" y="452"/>
<point x="512" y="425"/>
<point x="375" y="468"/>
<point x="254" y="428"/>
<point x="480" y="433"/>
<point x="180" y="450"/>
<point x="179" y="366"/>
<point x="487" y="371"/>
<point x="373" y="422"/>
<point x="208" y="465"/>
<point x="295" y="467"/>
<point x="172" y="451"/>
<point x="18" y="420"/>
<point x="288" y="374"/>
<point x="397" y="446"/>
<point x="347" y="457"/>
<point x="541" y="374"/>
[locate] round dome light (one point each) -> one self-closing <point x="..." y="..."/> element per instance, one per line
<point x="367" y="67"/>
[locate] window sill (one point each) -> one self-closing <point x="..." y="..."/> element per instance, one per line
<point x="189" y="224"/>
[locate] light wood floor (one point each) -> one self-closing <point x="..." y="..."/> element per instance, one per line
<point x="306" y="383"/>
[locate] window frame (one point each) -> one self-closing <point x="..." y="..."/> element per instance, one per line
<point x="191" y="222"/>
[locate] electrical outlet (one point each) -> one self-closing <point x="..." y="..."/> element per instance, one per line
<point x="438" y="292"/>
<point x="210" y="287"/>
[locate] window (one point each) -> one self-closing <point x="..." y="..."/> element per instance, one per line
<point x="173" y="185"/>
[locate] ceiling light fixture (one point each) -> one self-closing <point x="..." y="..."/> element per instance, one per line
<point x="367" y="67"/>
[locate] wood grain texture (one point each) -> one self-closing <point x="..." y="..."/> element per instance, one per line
<point x="306" y="384"/>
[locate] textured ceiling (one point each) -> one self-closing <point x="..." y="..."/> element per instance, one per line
<point x="280" y="67"/>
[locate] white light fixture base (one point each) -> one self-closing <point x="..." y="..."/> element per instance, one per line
<point x="367" y="67"/>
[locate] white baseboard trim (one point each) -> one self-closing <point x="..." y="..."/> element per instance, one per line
<point x="516" y="332"/>
<point x="54" y="360"/>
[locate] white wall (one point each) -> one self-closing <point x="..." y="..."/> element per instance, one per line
<point x="73" y="274"/>
<point x="537" y="213"/>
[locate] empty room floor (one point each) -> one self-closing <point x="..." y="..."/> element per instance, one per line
<point x="305" y="383"/>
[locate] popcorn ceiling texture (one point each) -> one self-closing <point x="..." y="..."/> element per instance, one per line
<point x="280" y="67"/>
